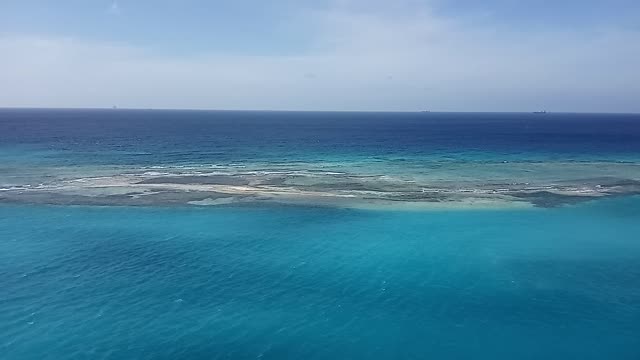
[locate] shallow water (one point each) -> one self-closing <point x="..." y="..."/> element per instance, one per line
<point x="321" y="283"/>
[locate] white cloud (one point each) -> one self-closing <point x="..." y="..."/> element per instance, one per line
<point x="114" y="8"/>
<point x="434" y="63"/>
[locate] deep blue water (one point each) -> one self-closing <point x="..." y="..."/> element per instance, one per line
<point x="271" y="281"/>
<point x="166" y="137"/>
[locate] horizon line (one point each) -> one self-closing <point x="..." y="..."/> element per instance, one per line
<point x="312" y="111"/>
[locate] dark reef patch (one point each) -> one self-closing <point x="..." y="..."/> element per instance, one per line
<point x="198" y="180"/>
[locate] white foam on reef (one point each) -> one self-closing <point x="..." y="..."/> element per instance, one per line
<point x="13" y="188"/>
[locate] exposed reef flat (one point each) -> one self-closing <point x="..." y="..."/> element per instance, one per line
<point x="233" y="186"/>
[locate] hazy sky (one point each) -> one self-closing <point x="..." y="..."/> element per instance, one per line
<point x="442" y="55"/>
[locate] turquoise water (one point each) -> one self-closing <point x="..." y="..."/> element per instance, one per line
<point x="275" y="282"/>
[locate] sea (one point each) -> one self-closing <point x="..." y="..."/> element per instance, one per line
<point x="174" y="234"/>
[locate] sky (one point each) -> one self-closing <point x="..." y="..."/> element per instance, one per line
<point x="354" y="55"/>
